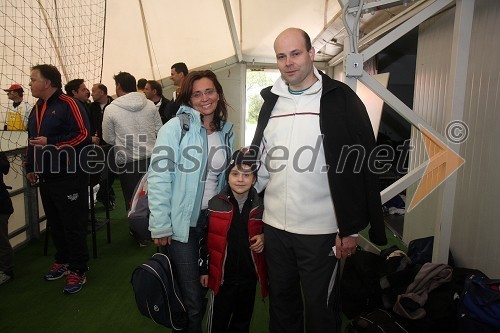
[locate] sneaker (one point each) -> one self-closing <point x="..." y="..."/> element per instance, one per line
<point x="4" y="277"/>
<point x="74" y="282"/>
<point x="57" y="271"/>
<point x="144" y="243"/>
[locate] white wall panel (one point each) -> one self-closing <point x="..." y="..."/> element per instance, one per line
<point x="431" y="75"/>
<point x="474" y="239"/>
<point x="233" y="82"/>
<point x="477" y="214"/>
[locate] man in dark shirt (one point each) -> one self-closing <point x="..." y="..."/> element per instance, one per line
<point x="154" y="93"/>
<point x="58" y="131"/>
<point x="97" y="107"/>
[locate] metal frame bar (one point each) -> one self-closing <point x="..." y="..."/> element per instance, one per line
<point x="455" y="106"/>
<point x="53" y="40"/>
<point x="232" y="29"/>
<point x="402" y="183"/>
<point x="396" y="104"/>
<point x="455" y="101"/>
<point x="406" y="27"/>
<point x="146" y="37"/>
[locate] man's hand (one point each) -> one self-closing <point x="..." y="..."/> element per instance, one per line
<point x="32" y="178"/>
<point x="39" y="141"/>
<point x="345" y="246"/>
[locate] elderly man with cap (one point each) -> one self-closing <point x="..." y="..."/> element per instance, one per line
<point x="17" y="115"/>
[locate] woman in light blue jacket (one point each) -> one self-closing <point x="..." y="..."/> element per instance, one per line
<point x="187" y="167"/>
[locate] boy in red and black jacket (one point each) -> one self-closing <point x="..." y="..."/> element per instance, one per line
<point x="231" y="253"/>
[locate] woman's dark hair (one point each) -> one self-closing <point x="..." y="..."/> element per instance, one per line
<point x="220" y="115"/>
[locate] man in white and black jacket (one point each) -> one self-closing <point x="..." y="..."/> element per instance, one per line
<point x="317" y="196"/>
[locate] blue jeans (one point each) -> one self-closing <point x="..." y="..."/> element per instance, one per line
<point x="185" y="258"/>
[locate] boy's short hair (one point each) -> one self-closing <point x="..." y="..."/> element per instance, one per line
<point x="242" y="157"/>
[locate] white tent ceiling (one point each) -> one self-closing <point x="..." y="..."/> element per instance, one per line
<point x="145" y="37"/>
<point x="199" y="32"/>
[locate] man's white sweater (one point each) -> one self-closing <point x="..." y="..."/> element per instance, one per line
<point x="298" y="198"/>
<point x="131" y="123"/>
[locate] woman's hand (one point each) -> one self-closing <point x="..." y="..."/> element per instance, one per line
<point x="164" y="241"/>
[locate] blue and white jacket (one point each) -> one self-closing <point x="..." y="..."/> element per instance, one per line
<point x="176" y="176"/>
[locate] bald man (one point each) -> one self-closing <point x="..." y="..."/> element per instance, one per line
<point x="313" y="211"/>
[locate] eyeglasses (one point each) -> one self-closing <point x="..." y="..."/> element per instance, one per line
<point x="207" y="93"/>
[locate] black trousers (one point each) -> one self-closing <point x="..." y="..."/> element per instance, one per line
<point x="233" y="308"/>
<point x="107" y="175"/>
<point x="130" y="175"/>
<point x="301" y="266"/>
<point x="6" y="252"/>
<point x="65" y="201"/>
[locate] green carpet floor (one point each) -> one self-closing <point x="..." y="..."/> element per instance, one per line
<point x="106" y="303"/>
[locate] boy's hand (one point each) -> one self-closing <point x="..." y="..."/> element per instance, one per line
<point x="204" y="280"/>
<point x="257" y="243"/>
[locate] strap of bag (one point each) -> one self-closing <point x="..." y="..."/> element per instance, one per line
<point x="184" y="119"/>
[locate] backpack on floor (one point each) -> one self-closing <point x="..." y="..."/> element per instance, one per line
<point x="157" y="292"/>
<point x="377" y="321"/>
<point x="138" y="215"/>
<point x="479" y="305"/>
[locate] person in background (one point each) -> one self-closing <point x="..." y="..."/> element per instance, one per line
<point x="154" y="92"/>
<point x="78" y="90"/>
<point x="231" y="249"/>
<point x="58" y="132"/>
<point x="185" y="172"/>
<point x="309" y="225"/>
<point x="178" y="73"/>
<point x="141" y="84"/>
<point x="6" y="209"/>
<point x="17" y="116"/>
<point x="101" y="100"/>
<point x="130" y="124"/>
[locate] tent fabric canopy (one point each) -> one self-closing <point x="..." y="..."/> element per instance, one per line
<point x="198" y="33"/>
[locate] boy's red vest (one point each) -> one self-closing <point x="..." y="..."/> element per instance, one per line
<point x="220" y="218"/>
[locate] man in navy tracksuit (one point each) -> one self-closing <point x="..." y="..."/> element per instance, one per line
<point x="58" y="129"/>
